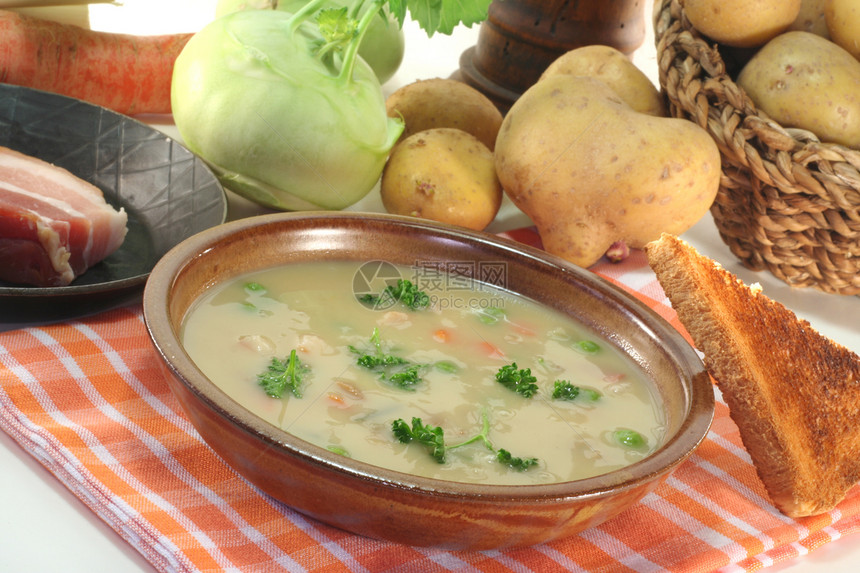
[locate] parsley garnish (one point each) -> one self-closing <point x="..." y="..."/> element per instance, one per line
<point x="408" y="376"/>
<point x="519" y="464"/>
<point x="520" y="381"/>
<point x="391" y="368"/>
<point x="433" y="439"/>
<point x="408" y="294"/>
<point x="403" y="292"/>
<point x="283" y="374"/>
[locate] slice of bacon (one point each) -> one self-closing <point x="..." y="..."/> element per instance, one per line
<point x="53" y="225"/>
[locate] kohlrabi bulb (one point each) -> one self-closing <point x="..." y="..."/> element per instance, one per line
<point x="279" y="125"/>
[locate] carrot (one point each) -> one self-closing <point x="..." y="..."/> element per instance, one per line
<point x="491" y="350"/>
<point x="126" y="73"/>
<point x="441" y="335"/>
<point x="524" y="330"/>
<point x="337" y="400"/>
<point x="350" y="389"/>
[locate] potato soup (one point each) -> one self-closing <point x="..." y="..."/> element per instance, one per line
<point x="452" y="379"/>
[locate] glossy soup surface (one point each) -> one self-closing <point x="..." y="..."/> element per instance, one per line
<point x="458" y="345"/>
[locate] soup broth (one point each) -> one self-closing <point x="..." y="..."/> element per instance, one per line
<point x="469" y="337"/>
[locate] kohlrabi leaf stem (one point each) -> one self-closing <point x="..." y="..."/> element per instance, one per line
<point x="305" y="12"/>
<point x="352" y="48"/>
<point x="344" y="29"/>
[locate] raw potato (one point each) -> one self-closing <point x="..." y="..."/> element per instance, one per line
<point x="843" y="23"/>
<point x="741" y="23"/>
<point x="616" y="70"/>
<point x="803" y="80"/>
<point x="811" y="18"/>
<point x="445" y="175"/>
<point x="428" y="104"/>
<point x="590" y="171"/>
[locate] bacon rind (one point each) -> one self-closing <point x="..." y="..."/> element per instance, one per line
<point x="53" y="225"/>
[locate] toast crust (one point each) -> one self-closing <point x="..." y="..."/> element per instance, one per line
<point x="793" y="393"/>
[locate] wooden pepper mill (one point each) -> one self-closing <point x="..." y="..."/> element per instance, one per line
<point x="521" y="38"/>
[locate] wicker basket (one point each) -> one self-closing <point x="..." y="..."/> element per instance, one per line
<point x="788" y="202"/>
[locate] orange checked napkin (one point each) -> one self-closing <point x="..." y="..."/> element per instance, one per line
<point x="88" y="400"/>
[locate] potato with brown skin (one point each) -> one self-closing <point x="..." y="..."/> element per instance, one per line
<point x="741" y="23"/>
<point x="437" y="102"/>
<point x="805" y="81"/>
<point x="445" y="175"/>
<point x="590" y="171"/>
<point x="843" y="23"/>
<point x="616" y="70"/>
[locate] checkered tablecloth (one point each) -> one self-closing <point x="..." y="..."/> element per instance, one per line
<point x="88" y="400"/>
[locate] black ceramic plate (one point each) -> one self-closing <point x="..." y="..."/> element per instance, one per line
<point x="168" y="192"/>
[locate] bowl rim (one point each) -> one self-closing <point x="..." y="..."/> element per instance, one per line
<point x="691" y="433"/>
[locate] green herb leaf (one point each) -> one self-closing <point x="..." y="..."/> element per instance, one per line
<point x="403" y="292"/>
<point x="520" y="381"/>
<point x="408" y="294"/>
<point x="282" y="375"/>
<point x="519" y="464"/>
<point x="564" y="390"/>
<point x="431" y="437"/>
<point x="441" y="16"/>
<point x="405" y="378"/>
<point x="373" y="361"/>
<point x="369" y="299"/>
<point x="393" y="369"/>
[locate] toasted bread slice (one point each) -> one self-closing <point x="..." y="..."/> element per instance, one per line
<point x="793" y="393"/>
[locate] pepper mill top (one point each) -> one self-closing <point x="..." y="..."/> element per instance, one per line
<point x="521" y="38"/>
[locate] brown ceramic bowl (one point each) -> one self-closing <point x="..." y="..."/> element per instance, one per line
<point x="385" y="504"/>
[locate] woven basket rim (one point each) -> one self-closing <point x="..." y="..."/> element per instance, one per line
<point x="716" y="70"/>
<point x="786" y="164"/>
